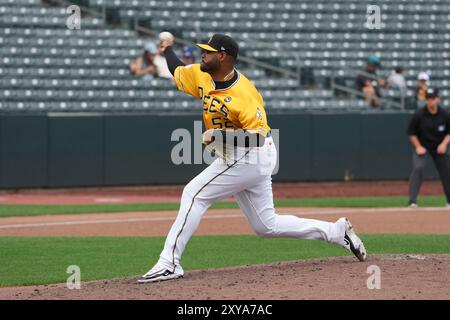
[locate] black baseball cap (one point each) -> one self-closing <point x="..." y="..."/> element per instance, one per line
<point x="432" y="93"/>
<point x="221" y="42"/>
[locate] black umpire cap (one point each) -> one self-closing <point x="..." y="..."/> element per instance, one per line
<point x="432" y="93"/>
<point x="221" y="42"/>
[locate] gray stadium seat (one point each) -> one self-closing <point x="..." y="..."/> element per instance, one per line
<point x="90" y="68"/>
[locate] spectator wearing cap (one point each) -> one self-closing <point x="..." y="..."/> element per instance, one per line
<point x="421" y="90"/>
<point x="368" y="82"/>
<point x="187" y="56"/>
<point x="429" y="133"/>
<point x="144" y="65"/>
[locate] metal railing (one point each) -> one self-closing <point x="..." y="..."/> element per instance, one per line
<point x="384" y="101"/>
<point x="102" y="14"/>
<point x="286" y="72"/>
<point x="254" y="62"/>
<point x="283" y="71"/>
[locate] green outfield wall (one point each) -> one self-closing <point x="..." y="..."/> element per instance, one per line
<point x="75" y="150"/>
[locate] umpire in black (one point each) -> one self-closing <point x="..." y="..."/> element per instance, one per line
<point x="429" y="132"/>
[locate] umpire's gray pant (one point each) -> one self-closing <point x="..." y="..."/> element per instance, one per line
<point x="442" y="163"/>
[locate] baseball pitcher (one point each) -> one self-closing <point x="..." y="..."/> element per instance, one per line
<point x="237" y="131"/>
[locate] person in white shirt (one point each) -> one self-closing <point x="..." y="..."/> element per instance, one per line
<point x="396" y="80"/>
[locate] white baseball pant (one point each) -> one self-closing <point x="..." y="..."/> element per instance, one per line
<point x="248" y="179"/>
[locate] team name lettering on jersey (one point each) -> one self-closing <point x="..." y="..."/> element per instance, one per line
<point x="240" y="106"/>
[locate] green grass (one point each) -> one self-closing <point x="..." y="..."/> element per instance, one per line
<point x="42" y="260"/>
<point x="36" y="210"/>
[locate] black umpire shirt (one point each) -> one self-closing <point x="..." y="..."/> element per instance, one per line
<point x="429" y="128"/>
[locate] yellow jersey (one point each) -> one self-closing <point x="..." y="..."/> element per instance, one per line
<point x="238" y="106"/>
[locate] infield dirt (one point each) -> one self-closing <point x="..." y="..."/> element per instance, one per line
<point x="402" y="277"/>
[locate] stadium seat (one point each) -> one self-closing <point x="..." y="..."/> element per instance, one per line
<point x="314" y="39"/>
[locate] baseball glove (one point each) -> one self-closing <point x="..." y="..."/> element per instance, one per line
<point x="212" y="139"/>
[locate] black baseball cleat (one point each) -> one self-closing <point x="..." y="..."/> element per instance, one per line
<point x="161" y="273"/>
<point x="354" y="243"/>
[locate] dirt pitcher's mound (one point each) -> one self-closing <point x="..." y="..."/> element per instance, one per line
<point x="401" y="277"/>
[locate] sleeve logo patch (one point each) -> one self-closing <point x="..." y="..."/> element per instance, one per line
<point x="227" y="99"/>
<point x="441" y="128"/>
<point x="259" y="114"/>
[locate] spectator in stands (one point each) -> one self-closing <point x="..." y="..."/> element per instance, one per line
<point x="144" y="66"/>
<point x="368" y="82"/>
<point x="188" y="55"/>
<point x="397" y="81"/>
<point x="421" y="90"/>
